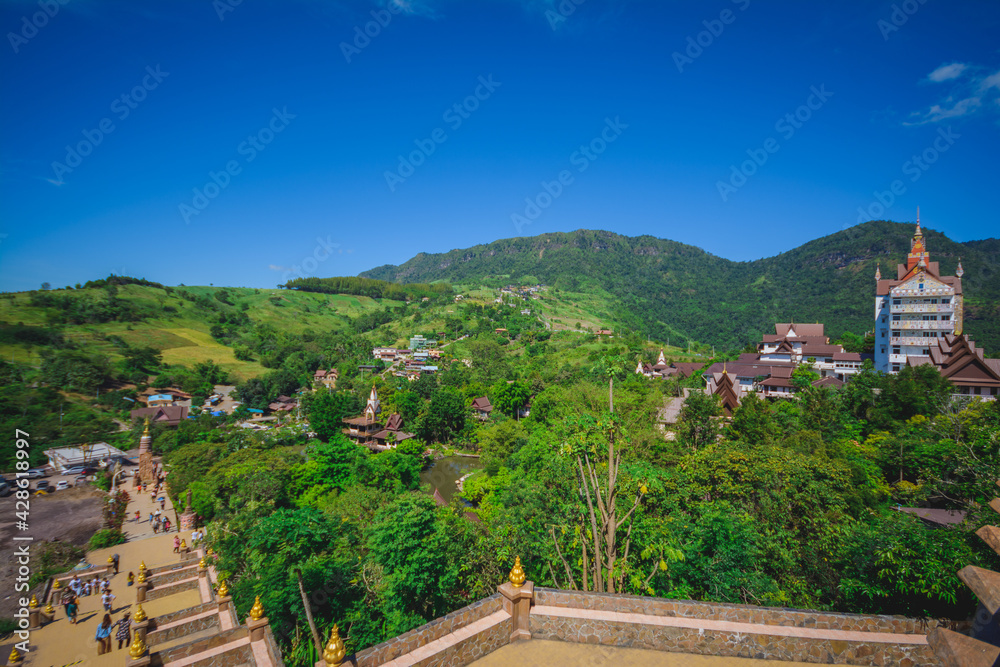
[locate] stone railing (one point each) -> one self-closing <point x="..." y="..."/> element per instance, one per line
<point x="923" y="308"/>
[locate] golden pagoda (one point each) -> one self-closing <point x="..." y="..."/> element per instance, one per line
<point x="335" y="651"/>
<point x="138" y="647"/>
<point x="257" y="610"/>
<point x="139" y="615"/>
<point x="517" y="573"/>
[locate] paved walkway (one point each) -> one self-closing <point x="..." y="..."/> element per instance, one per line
<point x="544" y="653"/>
<point x="60" y="644"/>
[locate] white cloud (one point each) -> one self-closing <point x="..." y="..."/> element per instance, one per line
<point x="970" y="92"/>
<point x="947" y="72"/>
<point x="275" y="267"/>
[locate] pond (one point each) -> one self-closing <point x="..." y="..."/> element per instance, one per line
<point x="443" y="473"/>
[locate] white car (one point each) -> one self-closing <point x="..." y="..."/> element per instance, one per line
<point x="62" y="485"/>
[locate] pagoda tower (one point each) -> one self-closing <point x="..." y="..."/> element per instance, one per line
<point x="146" y="456"/>
<point x="917" y="308"/>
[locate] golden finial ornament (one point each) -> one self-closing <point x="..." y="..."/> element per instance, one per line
<point x="138" y="647"/>
<point x="56" y="585"/>
<point x="15" y="657"/>
<point x="142" y="566"/>
<point x="139" y="615"/>
<point x="257" y="610"/>
<point x="50" y="610"/>
<point x="111" y="560"/>
<point x="222" y="590"/>
<point x="517" y="574"/>
<point x="141" y="577"/>
<point x="335" y="651"/>
<point x="145" y="431"/>
<point x="34" y="602"/>
<point x="202" y="563"/>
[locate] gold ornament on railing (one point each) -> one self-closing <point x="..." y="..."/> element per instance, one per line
<point x="335" y="651"/>
<point x="142" y="566"/>
<point x="517" y="573"/>
<point x="50" y="610"/>
<point x="15" y="657"/>
<point x="223" y="590"/>
<point x="202" y="563"/>
<point x="56" y="585"/>
<point x="141" y="578"/>
<point x="257" y="610"/>
<point x="139" y="615"/>
<point x="111" y="560"/>
<point x="138" y="647"/>
<point x="34" y="602"/>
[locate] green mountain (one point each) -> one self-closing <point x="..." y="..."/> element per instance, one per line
<point x="669" y="289"/>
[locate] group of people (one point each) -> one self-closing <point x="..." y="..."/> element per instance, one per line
<point x="85" y="588"/>
<point x="159" y="521"/>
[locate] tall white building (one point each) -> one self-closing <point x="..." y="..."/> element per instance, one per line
<point x="915" y="309"/>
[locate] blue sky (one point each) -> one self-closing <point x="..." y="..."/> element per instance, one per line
<point x="228" y="143"/>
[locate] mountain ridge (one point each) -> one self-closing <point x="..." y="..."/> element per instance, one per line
<point x="670" y="289"/>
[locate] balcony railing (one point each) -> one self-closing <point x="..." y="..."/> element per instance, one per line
<point x="923" y="308"/>
<point x="911" y="340"/>
<point x="927" y="325"/>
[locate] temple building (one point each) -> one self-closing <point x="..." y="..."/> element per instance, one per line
<point x="917" y="308"/>
<point x="367" y="430"/>
<point x="966" y="367"/>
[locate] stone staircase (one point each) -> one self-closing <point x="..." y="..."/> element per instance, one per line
<point x="980" y="648"/>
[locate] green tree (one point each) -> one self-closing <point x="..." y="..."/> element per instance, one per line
<point x="510" y="397"/>
<point x="699" y="425"/>
<point x="445" y="417"/>
<point x="328" y="410"/>
<point x="753" y="422"/>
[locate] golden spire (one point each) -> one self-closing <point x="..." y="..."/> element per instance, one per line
<point x="14" y="657"/>
<point x="34" y="602"/>
<point x="138" y="647"/>
<point x="517" y="573"/>
<point x="145" y="431"/>
<point x="257" y="610"/>
<point x="334" y="652"/>
<point x="141" y="578"/>
<point x="49" y="609"/>
<point x="56" y="585"/>
<point x="878" y="271"/>
<point x="959" y="272"/>
<point x="139" y="615"/>
<point x="223" y="590"/>
<point x="142" y="566"/>
<point x="202" y="563"/>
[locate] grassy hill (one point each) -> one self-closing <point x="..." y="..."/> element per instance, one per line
<point x="170" y="322"/>
<point x="670" y="290"/>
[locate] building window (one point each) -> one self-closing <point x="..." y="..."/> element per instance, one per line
<point x="896" y="334"/>
<point x="883" y="349"/>
<point x="946" y="300"/>
<point x="926" y="351"/>
<point x="895" y="349"/>
<point x="883" y="333"/>
<point x="921" y="286"/>
<point x="897" y="302"/>
<point x="895" y="368"/>
<point x="895" y="318"/>
<point x="945" y="318"/>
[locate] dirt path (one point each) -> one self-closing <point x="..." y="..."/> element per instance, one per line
<point x="73" y="515"/>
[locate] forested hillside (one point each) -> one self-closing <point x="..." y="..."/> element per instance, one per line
<point x="668" y="289"/>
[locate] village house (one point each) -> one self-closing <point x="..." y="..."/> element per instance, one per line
<point x="964" y="365"/>
<point x="481" y="407"/>
<point x="171" y="415"/>
<point x="326" y="378"/>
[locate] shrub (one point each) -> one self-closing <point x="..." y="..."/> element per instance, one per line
<point x="106" y="537"/>
<point x="49" y="558"/>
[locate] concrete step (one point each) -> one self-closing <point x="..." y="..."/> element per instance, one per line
<point x="990" y="535"/>
<point x="995" y="504"/>
<point x="957" y="650"/>
<point x="984" y="583"/>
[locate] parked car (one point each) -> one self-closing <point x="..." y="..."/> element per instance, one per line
<point x="43" y="486"/>
<point x="62" y="485"/>
<point x="5" y="489"/>
<point x="79" y="481"/>
<point x="78" y="470"/>
<point x="37" y="473"/>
